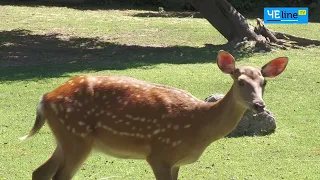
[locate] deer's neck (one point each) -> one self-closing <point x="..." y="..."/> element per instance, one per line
<point x="222" y="117"/>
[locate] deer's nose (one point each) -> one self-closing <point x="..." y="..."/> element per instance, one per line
<point x="259" y="106"/>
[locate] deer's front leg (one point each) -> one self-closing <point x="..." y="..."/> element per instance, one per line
<point x="161" y="170"/>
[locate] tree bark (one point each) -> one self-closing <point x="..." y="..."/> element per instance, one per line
<point x="226" y="19"/>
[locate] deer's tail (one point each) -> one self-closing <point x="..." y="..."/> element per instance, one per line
<point x="40" y="120"/>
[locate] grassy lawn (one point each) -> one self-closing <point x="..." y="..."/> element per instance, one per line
<point x="41" y="47"/>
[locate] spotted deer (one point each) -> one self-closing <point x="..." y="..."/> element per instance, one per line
<point x="128" y="118"/>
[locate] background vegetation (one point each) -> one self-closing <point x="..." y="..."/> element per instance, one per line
<point x="42" y="46"/>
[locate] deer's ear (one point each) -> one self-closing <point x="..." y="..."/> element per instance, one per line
<point x="226" y="62"/>
<point x="274" y="67"/>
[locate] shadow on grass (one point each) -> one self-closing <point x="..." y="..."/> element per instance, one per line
<point x="172" y="11"/>
<point x="170" y="14"/>
<point x="118" y="5"/>
<point x="31" y="56"/>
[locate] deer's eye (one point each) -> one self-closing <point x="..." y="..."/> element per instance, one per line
<point x="241" y="82"/>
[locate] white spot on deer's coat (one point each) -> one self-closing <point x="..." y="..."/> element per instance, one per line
<point x="187" y="126"/>
<point x="92" y="79"/>
<point x="127" y="123"/>
<point x="128" y="116"/>
<point x="67" y="99"/>
<point x="69" y="109"/>
<point x="68" y="128"/>
<point x="54" y="107"/>
<point x="81" y="123"/>
<point x="136" y="118"/>
<point x="176" y="127"/>
<point x="88" y="128"/>
<point x="82" y="80"/>
<point x="60" y="96"/>
<point x="98" y="124"/>
<point x="61" y="120"/>
<point x="169" y="125"/>
<point x="174" y="144"/>
<point x="73" y="130"/>
<point x="157" y="131"/>
<point x="193" y="99"/>
<point x="83" y="135"/>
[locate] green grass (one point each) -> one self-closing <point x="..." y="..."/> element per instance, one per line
<point x="41" y="47"/>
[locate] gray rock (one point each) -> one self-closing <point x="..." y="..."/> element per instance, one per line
<point x="250" y="124"/>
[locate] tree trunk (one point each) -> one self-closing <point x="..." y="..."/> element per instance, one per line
<point x="236" y="29"/>
<point x="226" y="19"/>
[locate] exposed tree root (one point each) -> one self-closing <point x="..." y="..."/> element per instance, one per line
<point x="283" y="40"/>
<point x="269" y="40"/>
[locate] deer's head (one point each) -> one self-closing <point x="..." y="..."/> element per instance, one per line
<point x="249" y="82"/>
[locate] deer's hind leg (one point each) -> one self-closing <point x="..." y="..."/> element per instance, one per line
<point x="47" y="170"/>
<point x="72" y="150"/>
<point x="75" y="150"/>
